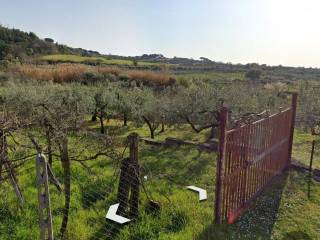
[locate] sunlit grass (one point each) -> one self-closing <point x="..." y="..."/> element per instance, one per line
<point x="302" y="148"/>
<point x="285" y="210"/>
<point x="81" y="59"/>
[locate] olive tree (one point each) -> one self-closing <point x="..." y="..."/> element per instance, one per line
<point x="58" y="110"/>
<point x="104" y="101"/>
<point x="198" y="104"/>
<point x="308" y="112"/>
<point x="149" y="107"/>
<point x="127" y="102"/>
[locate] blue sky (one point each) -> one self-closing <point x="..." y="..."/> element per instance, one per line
<point x="240" y="31"/>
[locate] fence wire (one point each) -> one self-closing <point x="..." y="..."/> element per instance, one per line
<point x="162" y="194"/>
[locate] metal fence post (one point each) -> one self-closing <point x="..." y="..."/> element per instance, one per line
<point x="311" y="156"/>
<point x="221" y="157"/>
<point x="45" y="217"/>
<point x="293" y="119"/>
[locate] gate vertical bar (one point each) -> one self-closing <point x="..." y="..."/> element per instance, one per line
<point x="293" y="119"/>
<point x="45" y="217"/>
<point x="220" y="162"/>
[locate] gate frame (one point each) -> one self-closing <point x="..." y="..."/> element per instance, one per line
<point x="223" y="118"/>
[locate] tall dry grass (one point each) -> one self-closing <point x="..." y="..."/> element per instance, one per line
<point x="149" y="77"/>
<point x="58" y="73"/>
<point x="66" y="73"/>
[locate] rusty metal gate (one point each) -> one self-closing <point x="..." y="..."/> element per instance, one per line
<point x="249" y="158"/>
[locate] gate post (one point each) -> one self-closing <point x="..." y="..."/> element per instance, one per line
<point x="293" y="119"/>
<point x="45" y="217"/>
<point x="220" y="162"/>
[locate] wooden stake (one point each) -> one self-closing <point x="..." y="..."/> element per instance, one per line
<point x="130" y="179"/>
<point x="135" y="181"/>
<point x="45" y="216"/>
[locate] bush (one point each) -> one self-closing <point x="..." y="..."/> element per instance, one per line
<point x="92" y="77"/>
<point x="184" y="82"/>
<point x="3" y="77"/>
<point x="4" y="64"/>
<point x="110" y="77"/>
<point x="94" y="62"/>
<point x="253" y="74"/>
<point x="124" y="77"/>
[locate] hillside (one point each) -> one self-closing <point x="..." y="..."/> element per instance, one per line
<point x="15" y="43"/>
<point x="85" y="137"/>
<point x="28" y="47"/>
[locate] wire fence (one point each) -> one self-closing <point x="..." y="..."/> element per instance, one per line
<point x="148" y="183"/>
<point x="130" y="190"/>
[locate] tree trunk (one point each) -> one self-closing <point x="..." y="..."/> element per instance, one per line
<point x="212" y="134"/>
<point x="152" y="133"/>
<point x="65" y="161"/>
<point x="94" y="117"/>
<point x="102" y="131"/>
<point x="125" y="119"/>
<point x="151" y="128"/>
<point x="8" y="166"/>
<point x="162" y="128"/>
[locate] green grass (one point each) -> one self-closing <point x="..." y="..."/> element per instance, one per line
<point x="115" y="127"/>
<point x="217" y="76"/>
<point x="285" y="211"/>
<point x="80" y="59"/>
<point x="302" y="148"/>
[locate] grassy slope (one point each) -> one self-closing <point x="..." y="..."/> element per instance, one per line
<point x="224" y="77"/>
<point x="285" y="208"/>
<point x="81" y="59"/>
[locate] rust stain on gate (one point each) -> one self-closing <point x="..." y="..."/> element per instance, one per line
<point x="250" y="157"/>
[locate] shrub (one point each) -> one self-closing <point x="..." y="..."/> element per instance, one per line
<point x="4" y="64"/>
<point x="92" y="77"/>
<point x="253" y="74"/>
<point x="3" y="77"/>
<point x="135" y="62"/>
<point x="94" y="62"/>
<point x="49" y="40"/>
<point x="110" y="77"/>
<point x="124" y="77"/>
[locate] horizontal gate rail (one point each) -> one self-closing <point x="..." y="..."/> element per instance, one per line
<point x="249" y="158"/>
